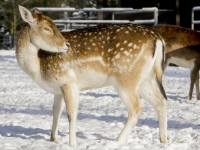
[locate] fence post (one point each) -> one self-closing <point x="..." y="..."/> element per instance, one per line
<point x="192" y="19"/>
<point x="155" y="16"/>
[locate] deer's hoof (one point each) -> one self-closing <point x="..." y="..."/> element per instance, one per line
<point x="53" y="139"/>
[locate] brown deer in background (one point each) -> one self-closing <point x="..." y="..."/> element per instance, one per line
<point x="183" y="49"/>
<point x="128" y="57"/>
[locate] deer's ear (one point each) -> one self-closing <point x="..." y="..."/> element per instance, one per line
<point x="36" y="11"/>
<point x="27" y="16"/>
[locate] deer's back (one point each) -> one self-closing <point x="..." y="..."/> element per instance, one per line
<point x="179" y="38"/>
<point x="111" y="42"/>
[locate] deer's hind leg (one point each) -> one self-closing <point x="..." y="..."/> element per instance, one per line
<point x="131" y="99"/>
<point x="194" y="70"/>
<point x="148" y="90"/>
<point x="197" y="86"/>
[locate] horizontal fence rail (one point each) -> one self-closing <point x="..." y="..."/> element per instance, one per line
<point x="114" y="11"/>
<point x="143" y="10"/>
<point x="58" y="9"/>
<point x="105" y="21"/>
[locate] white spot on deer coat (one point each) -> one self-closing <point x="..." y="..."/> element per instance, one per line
<point x="125" y="42"/>
<point x="117" y="56"/>
<point x="130" y="44"/>
<point x="126" y="53"/>
<point x="129" y="28"/>
<point x="135" y="46"/>
<point x="109" y="50"/>
<point x="118" y="44"/>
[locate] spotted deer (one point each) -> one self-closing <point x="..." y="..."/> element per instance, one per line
<point x="183" y="49"/>
<point x="128" y="57"/>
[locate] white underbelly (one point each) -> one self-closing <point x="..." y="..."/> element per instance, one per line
<point x="86" y="80"/>
<point x="181" y="62"/>
<point x="91" y="79"/>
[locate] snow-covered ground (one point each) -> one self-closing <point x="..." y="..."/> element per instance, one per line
<point x="26" y="115"/>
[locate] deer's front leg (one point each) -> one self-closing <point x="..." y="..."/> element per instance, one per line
<point x="57" y="110"/>
<point x="71" y="98"/>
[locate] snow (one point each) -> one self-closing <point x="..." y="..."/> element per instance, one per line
<point x="26" y="115"/>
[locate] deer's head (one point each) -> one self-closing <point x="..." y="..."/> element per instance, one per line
<point x="43" y="32"/>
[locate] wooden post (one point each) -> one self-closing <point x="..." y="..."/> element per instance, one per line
<point x="100" y="14"/>
<point x="177" y="12"/>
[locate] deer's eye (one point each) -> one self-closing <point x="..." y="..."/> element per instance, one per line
<point x="49" y="30"/>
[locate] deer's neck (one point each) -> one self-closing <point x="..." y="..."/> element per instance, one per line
<point x="27" y="53"/>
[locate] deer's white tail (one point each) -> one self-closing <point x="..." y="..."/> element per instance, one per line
<point x="159" y="64"/>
